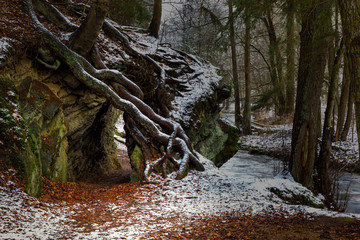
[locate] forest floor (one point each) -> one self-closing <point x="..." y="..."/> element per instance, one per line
<point x="227" y="226"/>
<point x="108" y="207"/>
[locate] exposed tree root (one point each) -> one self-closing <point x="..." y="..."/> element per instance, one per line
<point x="126" y="96"/>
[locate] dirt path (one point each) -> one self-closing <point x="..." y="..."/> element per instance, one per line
<point x="111" y="207"/>
<point x="92" y="199"/>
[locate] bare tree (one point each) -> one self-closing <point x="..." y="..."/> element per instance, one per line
<point x="156" y="19"/>
<point x="247" y="105"/>
<point x="234" y="65"/>
<point x="312" y="63"/>
<point x="349" y="11"/>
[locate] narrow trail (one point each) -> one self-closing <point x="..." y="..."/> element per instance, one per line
<point x="92" y="198"/>
<point x="108" y="207"/>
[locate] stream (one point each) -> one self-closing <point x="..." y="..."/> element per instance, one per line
<point x="261" y="166"/>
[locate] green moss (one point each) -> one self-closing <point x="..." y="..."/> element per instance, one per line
<point x="33" y="171"/>
<point x="120" y="134"/>
<point x="181" y="176"/>
<point x="230" y="147"/>
<point x="54" y="148"/>
<point x="136" y="161"/>
<point x="12" y="131"/>
<point x="295" y="199"/>
<point x="129" y="12"/>
<point x="17" y="142"/>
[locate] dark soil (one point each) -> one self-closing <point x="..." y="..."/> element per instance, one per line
<point x="116" y="177"/>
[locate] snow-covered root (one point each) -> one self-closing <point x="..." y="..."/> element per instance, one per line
<point x="141" y="113"/>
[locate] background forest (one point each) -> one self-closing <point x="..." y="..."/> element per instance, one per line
<point x="291" y="58"/>
<point x="181" y="86"/>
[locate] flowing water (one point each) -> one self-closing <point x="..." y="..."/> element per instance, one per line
<point x="249" y="165"/>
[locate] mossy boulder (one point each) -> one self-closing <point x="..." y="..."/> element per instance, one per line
<point x="17" y="146"/>
<point x="210" y="136"/>
<point x="136" y="164"/>
<point x="43" y="113"/>
<point x="29" y="155"/>
<point x="285" y="188"/>
<point x="297" y="198"/>
<point x="70" y="129"/>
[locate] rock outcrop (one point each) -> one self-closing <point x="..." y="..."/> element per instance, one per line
<point x="70" y="129"/>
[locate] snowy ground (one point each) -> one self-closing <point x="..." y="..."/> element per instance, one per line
<point x="277" y="139"/>
<point x="213" y="192"/>
<point x="209" y="193"/>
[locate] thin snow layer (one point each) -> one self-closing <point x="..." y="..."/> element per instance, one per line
<point x="347" y="151"/>
<point x="280" y="140"/>
<point x="4" y="44"/>
<point x="24" y="217"/>
<point x="5" y="49"/>
<point x="119" y="126"/>
<point x="199" y="79"/>
<point x="277" y="138"/>
<point x="202" y="84"/>
<point x="199" y="83"/>
<point x="216" y="191"/>
<point x="200" y="194"/>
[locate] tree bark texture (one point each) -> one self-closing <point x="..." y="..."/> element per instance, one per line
<point x="247" y="104"/>
<point x="349" y="118"/>
<point x="312" y="63"/>
<point x="234" y="66"/>
<point x="344" y="100"/>
<point x="290" y="57"/>
<point x="276" y="63"/>
<point x="83" y="39"/>
<point x="350" y="17"/>
<point x="324" y="184"/>
<point x="156" y="19"/>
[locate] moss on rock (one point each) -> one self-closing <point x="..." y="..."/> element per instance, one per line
<point x="136" y="161"/>
<point x="17" y="145"/>
<point x="297" y="198"/>
<point x="43" y="113"/>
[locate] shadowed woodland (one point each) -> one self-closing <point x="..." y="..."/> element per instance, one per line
<point x="69" y="69"/>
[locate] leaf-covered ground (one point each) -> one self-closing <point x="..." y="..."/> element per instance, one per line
<point x="105" y="207"/>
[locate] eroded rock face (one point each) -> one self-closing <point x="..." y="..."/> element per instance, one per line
<point x="43" y="113"/>
<point x="210" y="136"/>
<point x="72" y="129"/>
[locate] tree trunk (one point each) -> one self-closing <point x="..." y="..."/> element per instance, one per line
<point x="349" y="118"/>
<point x="290" y="53"/>
<point x="275" y="60"/>
<point x="156" y="19"/>
<point x="234" y="66"/>
<point x="247" y="104"/>
<point x="312" y="65"/>
<point x="349" y="11"/>
<point x="344" y="100"/>
<point x="324" y="184"/>
<point x="83" y="39"/>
